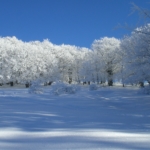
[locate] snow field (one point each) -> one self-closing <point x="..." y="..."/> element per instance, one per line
<point x="108" y="118"/>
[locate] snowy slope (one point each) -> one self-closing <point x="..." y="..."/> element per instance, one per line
<point x="109" y="118"/>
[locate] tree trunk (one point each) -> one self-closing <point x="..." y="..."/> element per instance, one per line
<point x="11" y="84"/>
<point x="141" y="84"/>
<point x="27" y="85"/>
<point x="70" y="80"/>
<point x="84" y="83"/>
<point x="110" y="82"/>
<point x="110" y="76"/>
<point x="49" y="83"/>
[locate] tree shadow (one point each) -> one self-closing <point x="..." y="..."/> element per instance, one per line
<point x="99" y="114"/>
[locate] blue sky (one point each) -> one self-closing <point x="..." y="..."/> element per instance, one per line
<point x="74" y="22"/>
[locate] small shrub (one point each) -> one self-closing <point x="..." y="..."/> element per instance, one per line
<point x="93" y="87"/>
<point x="36" y="88"/>
<point x="63" y="88"/>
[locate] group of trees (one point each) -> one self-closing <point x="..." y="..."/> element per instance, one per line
<point x="23" y="62"/>
<point x="109" y="59"/>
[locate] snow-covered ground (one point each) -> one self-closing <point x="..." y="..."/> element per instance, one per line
<point x="113" y="118"/>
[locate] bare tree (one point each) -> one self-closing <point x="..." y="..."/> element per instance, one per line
<point x="142" y="12"/>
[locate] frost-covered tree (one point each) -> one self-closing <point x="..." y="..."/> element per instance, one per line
<point x="11" y="58"/>
<point x="137" y="50"/>
<point x="24" y="62"/>
<point x="86" y="70"/>
<point x="106" y="49"/>
<point x="77" y="65"/>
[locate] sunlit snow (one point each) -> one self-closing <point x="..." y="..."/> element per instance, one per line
<point x="113" y="118"/>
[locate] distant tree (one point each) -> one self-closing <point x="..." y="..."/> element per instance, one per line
<point x="107" y="51"/>
<point x="86" y="70"/>
<point x="137" y="50"/>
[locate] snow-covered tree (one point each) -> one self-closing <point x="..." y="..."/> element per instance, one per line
<point x="107" y="52"/>
<point x="24" y="62"/>
<point x="137" y="50"/>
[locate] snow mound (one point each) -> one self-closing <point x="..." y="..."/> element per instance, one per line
<point x="36" y="88"/>
<point x="93" y="87"/>
<point x="145" y="90"/>
<point x="59" y="88"/>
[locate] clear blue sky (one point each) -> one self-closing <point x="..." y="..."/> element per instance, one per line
<point x="74" y="22"/>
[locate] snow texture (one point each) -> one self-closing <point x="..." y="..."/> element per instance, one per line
<point x="145" y="90"/>
<point x="109" y="118"/>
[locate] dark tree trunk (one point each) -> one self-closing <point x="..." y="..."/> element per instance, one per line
<point x="84" y="83"/>
<point x="110" y="76"/>
<point x="110" y="82"/>
<point x="11" y="83"/>
<point x="141" y="84"/>
<point x="27" y="85"/>
<point x="70" y="80"/>
<point x="49" y="83"/>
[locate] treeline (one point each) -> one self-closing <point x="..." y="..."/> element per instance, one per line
<point x="109" y="59"/>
